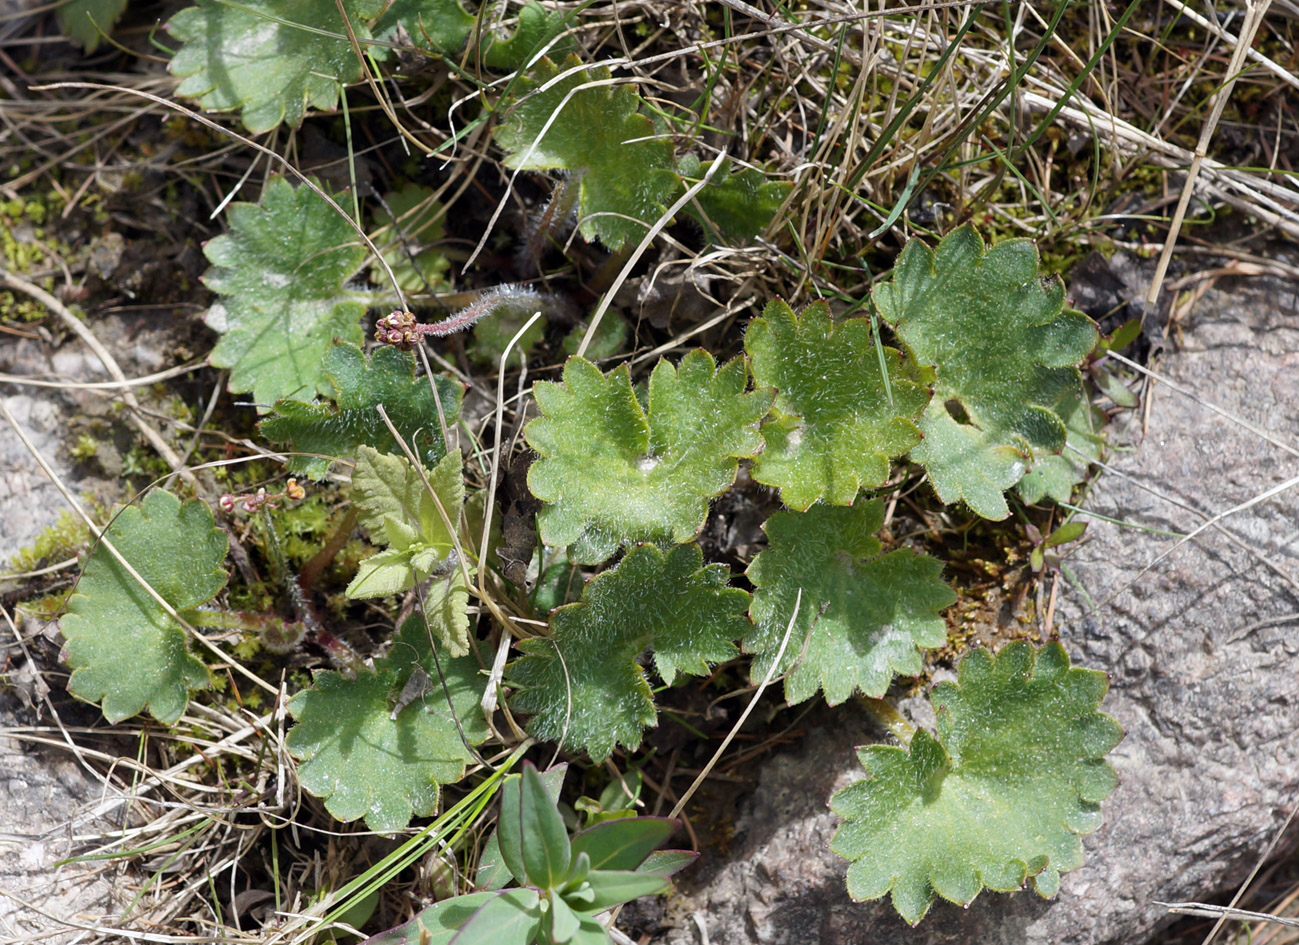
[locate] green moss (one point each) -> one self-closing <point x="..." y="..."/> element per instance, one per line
<point x="66" y="538"/>
<point x="46" y="608"/>
<point x="85" y="447"/>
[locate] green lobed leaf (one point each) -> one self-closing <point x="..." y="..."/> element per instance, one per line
<point x="1005" y="350"/>
<point x="583" y="685"/>
<point x="834" y="431"/>
<point x="273" y="60"/>
<point x="863" y="618"/>
<point x="737" y="205"/>
<point x="613" y="472"/>
<point x="598" y="134"/>
<point x="1001" y="794"/>
<point x="88" y="21"/>
<point x="438" y="26"/>
<point x="536" y="27"/>
<point x="367" y="763"/>
<point x="398" y="510"/>
<point x="281" y="271"/>
<point x="443" y="27"/>
<point x="359" y="386"/>
<point x="1055" y="475"/>
<point x="123" y="647"/>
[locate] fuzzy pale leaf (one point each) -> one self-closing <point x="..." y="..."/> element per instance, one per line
<point x="1000" y="796"/>
<point x="1004" y="351"/>
<point x="123" y="647"/>
<point x="862" y="618"/>
<point x="280" y="272"/>
<point x="613" y="472"/>
<point x="583" y="685"/>
<point x="367" y="763"/>
<point x="834" y="431"/>
<point x="273" y="60"/>
<point x="623" y="170"/>
<point x="359" y="386"/>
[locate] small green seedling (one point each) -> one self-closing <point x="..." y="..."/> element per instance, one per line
<point x="564" y="882"/>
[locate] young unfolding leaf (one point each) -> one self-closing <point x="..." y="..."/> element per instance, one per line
<point x="1001" y="794"/>
<point x="273" y="61"/>
<point x="359" y="386"/>
<point x="122" y="645"/>
<point x="1005" y="351"/>
<point x="280" y="271"/>
<point x="613" y="472"/>
<point x="737" y="205"/>
<point x="367" y="761"/>
<point x="1055" y="475"/>
<point x="597" y="134"/>
<point x="863" y="617"/>
<point x="835" y="429"/>
<point x="399" y="511"/>
<point x="583" y="686"/>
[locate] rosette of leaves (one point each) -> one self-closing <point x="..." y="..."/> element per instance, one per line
<point x="613" y="471"/>
<point x="583" y="684"/>
<point x="125" y="650"/>
<point x="1005" y="352"/>
<point x="371" y="752"/>
<point x="998" y="796"/>
<point x="281" y="272"/>
<point x="272" y="61"/>
<point x="415" y="513"/>
<point x="863" y="616"/>
<point x="583" y="124"/>
<point x="838" y="419"/>
<point x="564" y="883"/>
<point x="359" y="385"/>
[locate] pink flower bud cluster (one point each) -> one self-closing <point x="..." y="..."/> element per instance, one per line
<point x="400" y="329"/>
<point x="227" y="503"/>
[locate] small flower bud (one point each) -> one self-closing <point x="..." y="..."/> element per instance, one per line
<point x="226" y="503"/>
<point x="295" y="491"/>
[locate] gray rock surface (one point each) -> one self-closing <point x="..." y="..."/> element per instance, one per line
<point x="1204" y="661"/>
<point x="45" y="797"/>
<point x="49" y="803"/>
